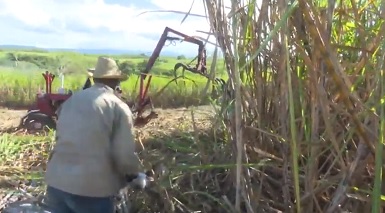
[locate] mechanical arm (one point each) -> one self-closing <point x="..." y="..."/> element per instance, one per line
<point x="199" y="68"/>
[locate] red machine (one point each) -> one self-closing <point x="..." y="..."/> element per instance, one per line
<point x="43" y="113"/>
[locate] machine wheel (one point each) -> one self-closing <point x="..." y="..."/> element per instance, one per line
<point x="38" y="122"/>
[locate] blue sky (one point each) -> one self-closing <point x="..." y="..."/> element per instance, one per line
<point x="95" y="24"/>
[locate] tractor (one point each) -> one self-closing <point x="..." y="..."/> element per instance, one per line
<point x="42" y="113"/>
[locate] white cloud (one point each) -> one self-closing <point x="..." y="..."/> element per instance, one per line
<point x="79" y="23"/>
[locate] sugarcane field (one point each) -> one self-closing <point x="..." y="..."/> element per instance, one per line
<point x="238" y="106"/>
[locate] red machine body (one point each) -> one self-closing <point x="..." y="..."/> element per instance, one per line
<point x="48" y="102"/>
<point x="43" y="112"/>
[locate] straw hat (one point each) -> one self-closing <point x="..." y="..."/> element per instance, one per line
<point x="108" y="69"/>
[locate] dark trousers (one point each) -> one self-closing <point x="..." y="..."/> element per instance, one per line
<point x="63" y="202"/>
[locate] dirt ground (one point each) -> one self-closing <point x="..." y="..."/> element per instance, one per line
<point x="166" y="121"/>
<point x="10" y="118"/>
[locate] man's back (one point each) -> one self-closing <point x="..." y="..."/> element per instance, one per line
<point x="82" y="158"/>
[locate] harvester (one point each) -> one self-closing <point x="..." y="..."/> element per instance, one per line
<point x="42" y="113"/>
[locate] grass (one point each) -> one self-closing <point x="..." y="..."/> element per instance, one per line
<point x="20" y="88"/>
<point x="21" y="83"/>
<point x="22" y="163"/>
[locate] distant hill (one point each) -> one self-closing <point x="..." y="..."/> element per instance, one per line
<point x="86" y="51"/>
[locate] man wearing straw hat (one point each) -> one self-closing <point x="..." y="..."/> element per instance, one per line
<point x="94" y="148"/>
<point x="88" y="84"/>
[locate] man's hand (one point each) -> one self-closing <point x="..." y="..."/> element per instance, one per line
<point x="139" y="181"/>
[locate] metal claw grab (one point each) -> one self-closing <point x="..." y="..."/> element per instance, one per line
<point x="201" y="57"/>
<point x="199" y="68"/>
<point x="143" y="101"/>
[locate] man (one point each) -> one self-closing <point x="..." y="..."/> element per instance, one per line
<point x="94" y="147"/>
<point x="88" y="84"/>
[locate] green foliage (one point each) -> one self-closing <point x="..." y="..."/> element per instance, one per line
<point x="11" y="56"/>
<point x="41" y="61"/>
<point x="181" y="57"/>
<point x="76" y="63"/>
<point x="142" y="65"/>
<point x="127" y="66"/>
<point x="19" y="88"/>
<point x="22" y="81"/>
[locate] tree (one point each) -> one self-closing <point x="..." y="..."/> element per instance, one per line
<point x="126" y="67"/>
<point x="142" y="65"/>
<point x="181" y="57"/>
<point x="13" y="57"/>
<point x="41" y="61"/>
